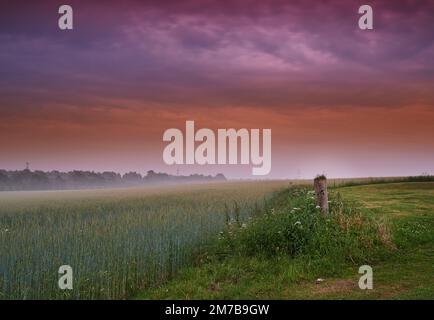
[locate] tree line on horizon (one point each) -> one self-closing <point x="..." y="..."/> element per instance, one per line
<point x="55" y="180"/>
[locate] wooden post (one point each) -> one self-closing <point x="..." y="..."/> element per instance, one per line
<point x="320" y="186"/>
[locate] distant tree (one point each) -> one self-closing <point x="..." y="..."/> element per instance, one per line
<point x="220" y="177"/>
<point x="111" y="177"/>
<point x="153" y="177"/>
<point x="132" y="178"/>
<point x="4" y="180"/>
<point x="150" y="173"/>
<point x="21" y="180"/>
<point x="56" y="180"/>
<point x="40" y="180"/>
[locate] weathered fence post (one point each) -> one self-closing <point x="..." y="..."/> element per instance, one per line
<point x="320" y="186"/>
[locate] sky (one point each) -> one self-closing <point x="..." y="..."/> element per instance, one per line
<point x="339" y="100"/>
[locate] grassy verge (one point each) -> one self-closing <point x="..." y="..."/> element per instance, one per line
<point x="282" y="251"/>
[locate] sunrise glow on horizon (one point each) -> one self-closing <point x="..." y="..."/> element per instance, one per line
<point x="339" y="100"/>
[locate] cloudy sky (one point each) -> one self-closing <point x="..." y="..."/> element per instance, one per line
<point x="339" y="100"/>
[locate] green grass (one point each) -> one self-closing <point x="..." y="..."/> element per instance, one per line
<point x="116" y="241"/>
<point x="403" y="262"/>
<point x="408" y="206"/>
<point x="159" y="243"/>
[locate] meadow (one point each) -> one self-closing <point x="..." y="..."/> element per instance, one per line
<point x="282" y="253"/>
<point x="232" y="240"/>
<point x="117" y="241"/>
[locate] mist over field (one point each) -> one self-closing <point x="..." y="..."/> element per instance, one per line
<point x="55" y="180"/>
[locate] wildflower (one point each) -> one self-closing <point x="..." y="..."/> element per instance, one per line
<point x="318" y="207"/>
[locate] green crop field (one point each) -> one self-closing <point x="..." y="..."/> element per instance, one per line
<point x="116" y="241"/>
